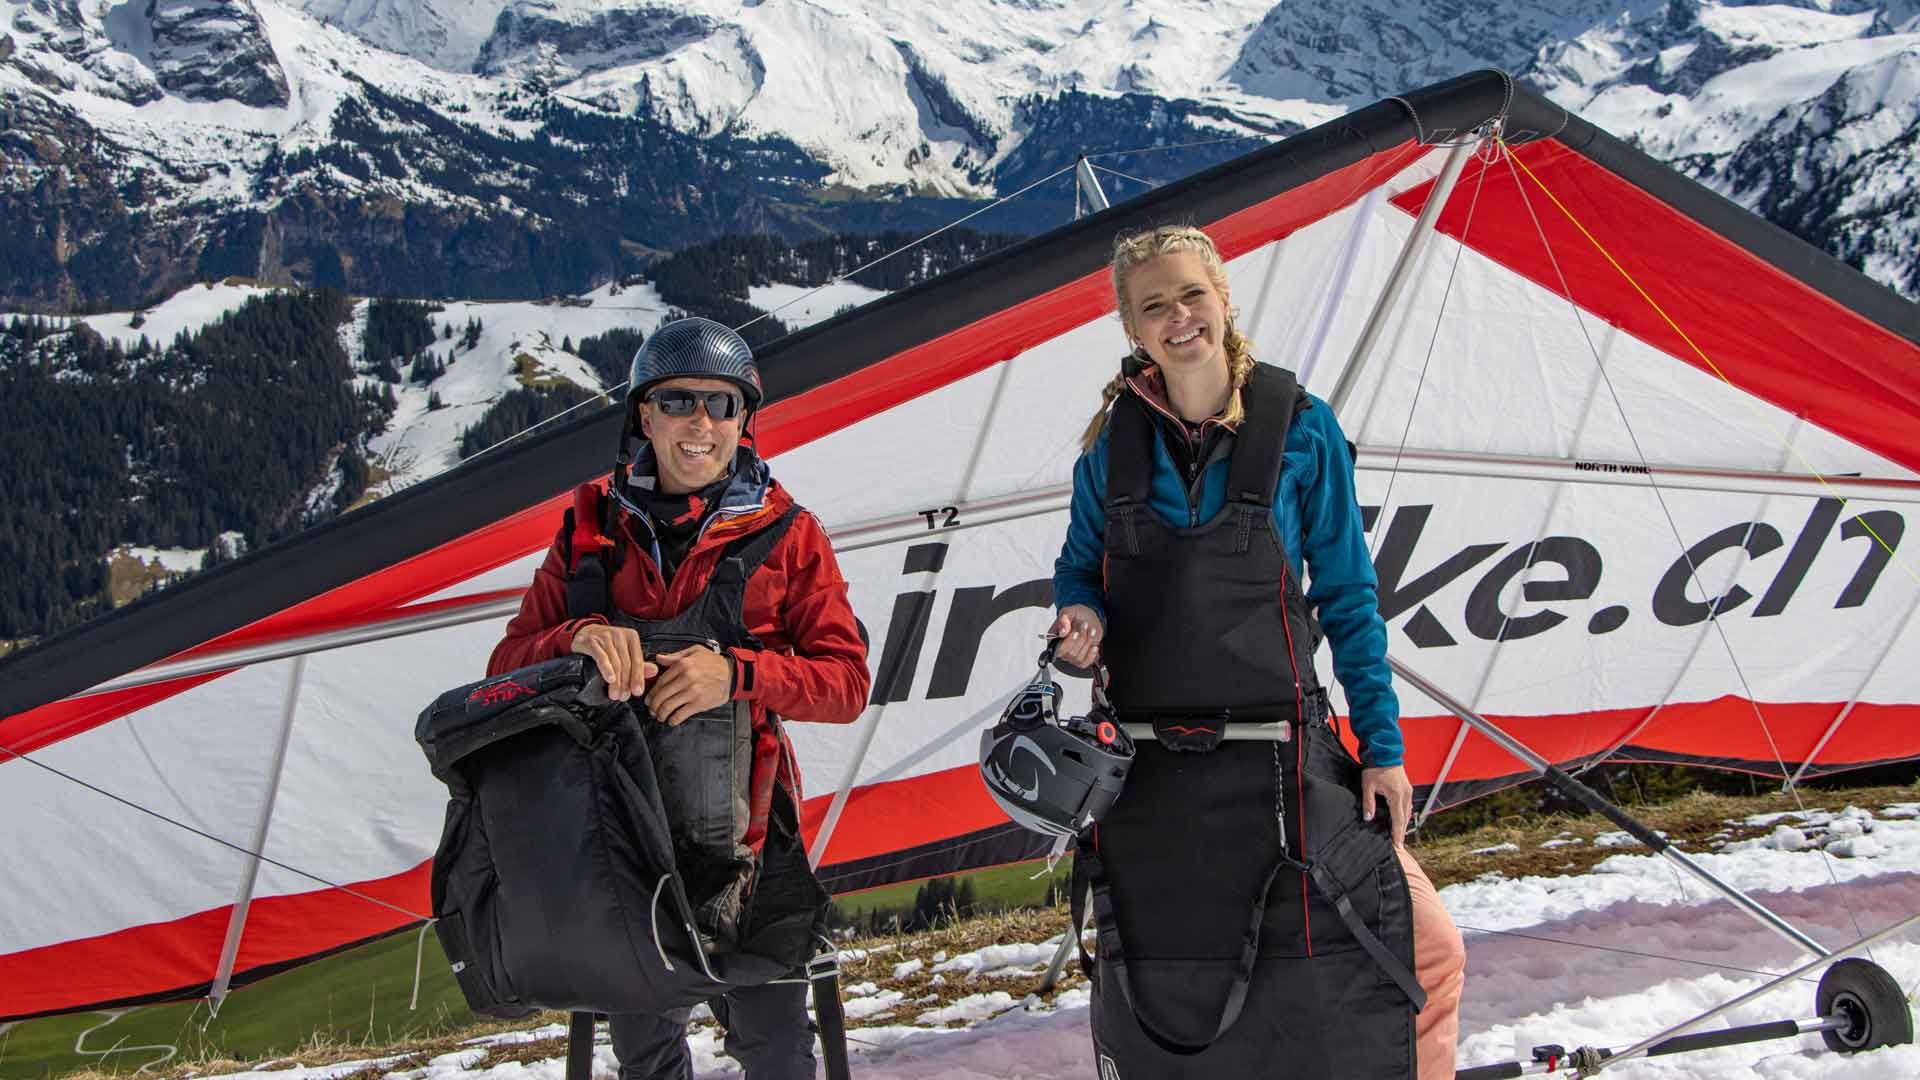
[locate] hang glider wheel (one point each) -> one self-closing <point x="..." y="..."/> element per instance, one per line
<point x="1870" y="1000"/>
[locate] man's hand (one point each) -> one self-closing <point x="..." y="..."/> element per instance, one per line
<point x="691" y="681"/>
<point x="616" y="652"/>
<point x="1389" y="783"/>
<point x="1079" y="631"/>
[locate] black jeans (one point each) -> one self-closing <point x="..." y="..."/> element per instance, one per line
<point x="767" y="1033"/>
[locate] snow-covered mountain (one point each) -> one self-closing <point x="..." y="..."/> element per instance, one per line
<point x="528" y="147"/>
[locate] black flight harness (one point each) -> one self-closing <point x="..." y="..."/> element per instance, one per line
<point x="705" y="763"/>
<point x="1210" y="646"/>
<point x="593" y="858"/>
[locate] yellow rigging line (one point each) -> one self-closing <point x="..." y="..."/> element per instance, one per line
<point x="1753" y="702"/>
<point x="1702" y="354"/>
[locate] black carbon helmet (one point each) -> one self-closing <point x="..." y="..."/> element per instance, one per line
<point x="1052" y="775"/>
<point x="694" y="347"/>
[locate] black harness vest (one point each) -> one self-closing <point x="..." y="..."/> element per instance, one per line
<point x="1202" y="867"/>
<point x="705" y="763"/>
<point x="1205" y="621"/>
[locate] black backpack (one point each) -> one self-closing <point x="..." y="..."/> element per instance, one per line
<point x="555" y="883"/>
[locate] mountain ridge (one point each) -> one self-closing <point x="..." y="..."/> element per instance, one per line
<point x="545" y="146"/>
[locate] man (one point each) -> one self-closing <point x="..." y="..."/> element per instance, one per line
<point x="688" y="511"/>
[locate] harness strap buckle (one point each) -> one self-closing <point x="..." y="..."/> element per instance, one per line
<point x="1195" y="733"/>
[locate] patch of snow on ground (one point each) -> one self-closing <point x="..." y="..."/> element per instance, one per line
<point x="420" y="441"/>
<point x="173" y="560"/>
<point x="801" y="306"/>
<point x="187" y="310"/>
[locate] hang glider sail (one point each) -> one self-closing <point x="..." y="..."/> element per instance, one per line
<point x="1636" y="465"/>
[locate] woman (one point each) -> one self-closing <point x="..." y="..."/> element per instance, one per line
<point x="1210" y="490"/>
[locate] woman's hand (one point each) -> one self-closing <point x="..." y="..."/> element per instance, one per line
<point x="615" y="650"/>
<point x="1389" y="783"/>
<point x="1079" y="631"/>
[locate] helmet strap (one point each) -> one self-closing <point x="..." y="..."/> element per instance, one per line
<point x="623" y="457"/>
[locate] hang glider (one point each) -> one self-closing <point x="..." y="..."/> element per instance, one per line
<point x="1636" y="465"/>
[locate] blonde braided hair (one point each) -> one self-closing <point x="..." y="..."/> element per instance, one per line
<point x="1130" y="251"/>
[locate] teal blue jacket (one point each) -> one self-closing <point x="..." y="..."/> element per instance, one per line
<point x="1315" y="515"/>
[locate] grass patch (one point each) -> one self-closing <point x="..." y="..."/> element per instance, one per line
<point x="378" y="477"/>
<point x="345" y="1006"/>
<point x="531" y="373"/>
<point x="1003" y="888"/>
<point x="1697" y="822"/>
<point x="128" y="579"/>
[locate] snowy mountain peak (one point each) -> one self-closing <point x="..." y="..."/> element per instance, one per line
<point x="414" y="145"/>
<point x="1368" y="49"/>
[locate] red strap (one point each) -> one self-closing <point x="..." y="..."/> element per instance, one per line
<point x="587" y="539"/>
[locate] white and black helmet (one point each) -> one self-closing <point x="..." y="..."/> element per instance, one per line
<point x="1053" y="775"/>
<point x="699" y="347"/>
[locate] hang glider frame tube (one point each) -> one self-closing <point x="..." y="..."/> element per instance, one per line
<point x="490" y="606"/>
<point x="1619" y="474"/>
<point x="1592" y="800"/>
<point x="996" y="510"/>
<point x="1423" y="229"/>
<point x="1089" y="187"/>
<point x="1739" y="1036"/>
<point x="263" y="821"/>
<point x="1676" y="1040"/>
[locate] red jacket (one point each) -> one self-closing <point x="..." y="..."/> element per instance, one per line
<point x="814" y="664"/>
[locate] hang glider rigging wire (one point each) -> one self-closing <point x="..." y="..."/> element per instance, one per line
<point x="1148" y="184"/>
<point x="1548" y="940"/>
<point x="1743" y="396"/>
<point x="1600" y="367"/>
<point x="611" y="391"/>
<point x="241" y="848"/>
<point x="1719" y="628"/>
<point x="1426" y="362"/>
<point x="1179" y="146"/>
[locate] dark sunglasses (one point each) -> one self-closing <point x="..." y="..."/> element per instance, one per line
<point x="721" y="404"/>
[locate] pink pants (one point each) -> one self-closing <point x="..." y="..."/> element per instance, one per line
<point x="1440" y="964"/>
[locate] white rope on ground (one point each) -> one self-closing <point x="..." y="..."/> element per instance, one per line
<point x="419" y="953"/>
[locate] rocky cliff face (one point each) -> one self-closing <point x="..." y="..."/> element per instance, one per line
<point x="214" y="50"/>
<point x="1368" y="49"/>
<point x="539" y="38"/>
